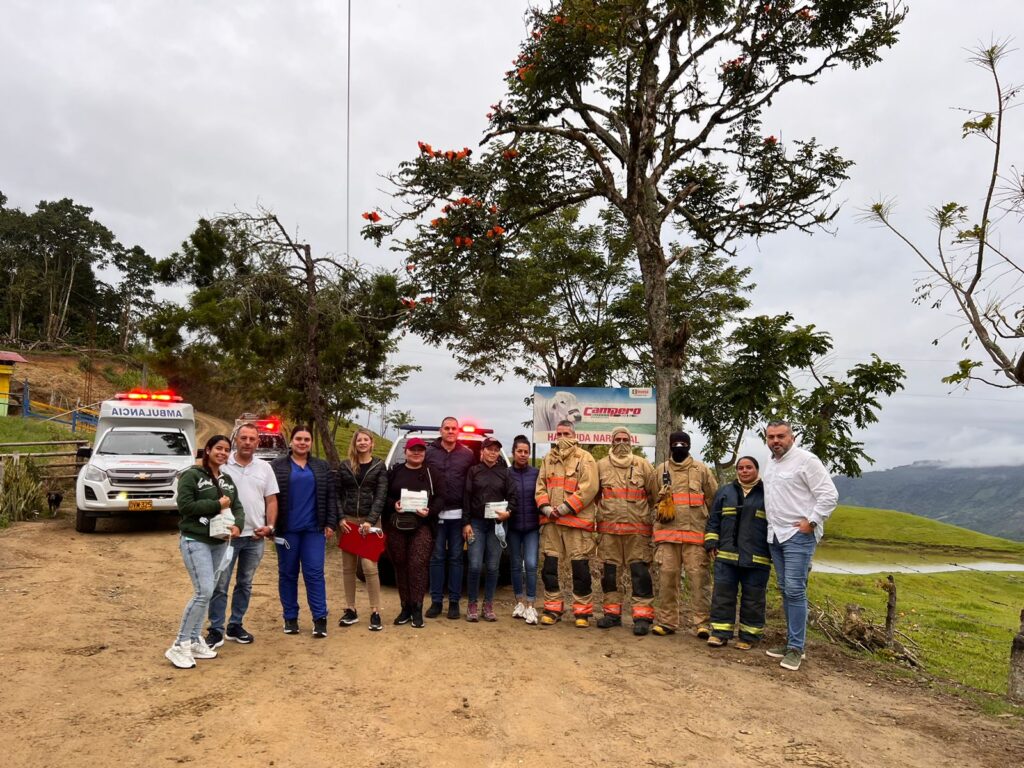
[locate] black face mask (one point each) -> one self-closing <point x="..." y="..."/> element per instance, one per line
<point x="680" y="452"/>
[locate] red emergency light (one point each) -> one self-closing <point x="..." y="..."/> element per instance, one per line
<point x="267" y="426"/>
<point x="165" y="396"/>
<point x="468" y="428"/>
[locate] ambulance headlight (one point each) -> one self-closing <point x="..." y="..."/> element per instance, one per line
<point x="94" y="475"/>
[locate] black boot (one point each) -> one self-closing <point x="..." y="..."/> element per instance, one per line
<point x="641" y="627"/>
<point x="404" y="616"/>
<point x="608" y="621"/>
<point x="434" y="610"/>
<point x="417" y="615"/>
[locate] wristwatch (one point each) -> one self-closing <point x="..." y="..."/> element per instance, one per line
<point x="272" y="530"/>
<point x="813" y="524"/>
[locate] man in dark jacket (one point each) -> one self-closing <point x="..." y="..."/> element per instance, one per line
<point x="450" y="461"/>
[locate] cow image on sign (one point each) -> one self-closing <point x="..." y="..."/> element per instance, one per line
<point x="562" y="406"/>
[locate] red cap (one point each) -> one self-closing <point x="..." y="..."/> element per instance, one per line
<point x="415" y="442"/>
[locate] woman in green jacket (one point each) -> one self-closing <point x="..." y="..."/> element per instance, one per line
<point x="203" y="492"/>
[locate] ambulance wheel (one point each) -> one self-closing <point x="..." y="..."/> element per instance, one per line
<point x="84" y="523"/>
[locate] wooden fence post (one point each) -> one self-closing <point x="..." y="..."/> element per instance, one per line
<point x="1016" y="686"/>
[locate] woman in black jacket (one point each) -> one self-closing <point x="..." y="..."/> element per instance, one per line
<point x="736" y="536"/>
<point x="307" y="514"/>
<point x="410" y="532"/>
<point x="362" y="491"/>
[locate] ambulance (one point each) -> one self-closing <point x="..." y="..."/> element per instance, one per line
<point x="144" y="442"/>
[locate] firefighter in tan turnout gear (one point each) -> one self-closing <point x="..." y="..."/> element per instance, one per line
<point x="688" y="487"/>
<point x="566" y="491"/>
<point x="629" y="486"/>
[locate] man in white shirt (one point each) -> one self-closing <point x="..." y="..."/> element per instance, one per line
<point x="798" y="496"/>
<point x="257" y="490"/>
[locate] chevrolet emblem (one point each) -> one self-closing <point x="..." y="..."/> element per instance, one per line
<point x="142" y="476"/>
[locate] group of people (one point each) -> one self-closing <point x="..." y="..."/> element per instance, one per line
<point x="442" y="501"/>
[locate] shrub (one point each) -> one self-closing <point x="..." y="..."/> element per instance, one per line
<point x="21" y="492"/>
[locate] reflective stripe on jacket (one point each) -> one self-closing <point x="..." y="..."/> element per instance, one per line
<point x="693" y="486"/>
<point x="574" y="481"/>
<point x="738" y="526"/>
<point x="626" y="498"/>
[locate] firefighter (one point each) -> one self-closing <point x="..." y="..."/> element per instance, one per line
<point x="629" y="486"/>
<point x="687" y="488"/>
<point x="566" y="491"/>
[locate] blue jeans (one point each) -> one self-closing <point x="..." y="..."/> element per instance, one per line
<point x="447" y="549"/>
<point x="523" y="547"/>
<point x="308" y="550"/>
<point x="201" y="561"/>
<point x="792" y="559"/>
<point x="485" y="546"/>
<point x="247" y="551"/>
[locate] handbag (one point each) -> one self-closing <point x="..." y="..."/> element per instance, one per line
<point x="405" y="521"/>
<point x="369" y="547"/>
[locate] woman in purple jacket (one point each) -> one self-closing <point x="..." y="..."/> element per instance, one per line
<point x="524" y="531"/>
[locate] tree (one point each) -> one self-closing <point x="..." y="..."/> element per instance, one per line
<point x="654" y="108"/>
<point x="751" y="380"/>
<point x="971" y="268"/>
<point x="278" y="323"/>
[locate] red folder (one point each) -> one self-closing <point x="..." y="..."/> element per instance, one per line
<point x="370" y="546"/>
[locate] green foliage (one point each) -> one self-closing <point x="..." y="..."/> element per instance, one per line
<point x="21" y="492"/>
<point x="653" y="108"/>
<point x="15" y="429"/>
<point x="266" y="320"/>
<point x="51" y="291"/>
<point x="750" y="381"/>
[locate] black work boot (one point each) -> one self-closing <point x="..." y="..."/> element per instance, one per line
<point x="608" y="621"/>
<point x="433" y="611"/>
<point x="641" y="627"/>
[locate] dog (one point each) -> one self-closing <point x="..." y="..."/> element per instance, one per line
<point x="561" y="406"/>
<point x="53" y="500"/>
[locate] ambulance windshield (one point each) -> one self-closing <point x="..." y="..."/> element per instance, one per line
<point x="134" y="443"/>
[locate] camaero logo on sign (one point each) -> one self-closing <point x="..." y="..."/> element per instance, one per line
<point x="595" y="412"/>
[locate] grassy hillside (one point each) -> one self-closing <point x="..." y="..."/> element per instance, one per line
<point x="14" y="429"/>
<point x="888" y="528"/>
<point x="963" y="623"/>
<point x="381" y="445"/>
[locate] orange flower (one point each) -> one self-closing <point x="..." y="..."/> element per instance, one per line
<point x="493" y="209"/>
<point x="425" y="148"/>
<point x="372" y="216"/>
<point x="524" y="71"/>
<point x="458" y="241"/>
<point x="560" y="20"/>
<point x="468" y="242"/>
<point x="510" y="153"/>
<point x="408" y="303"/>
<point x="428" y="299"/>
<point x="490" y="233"/>
<point x="410" y="267"/>
<point x="499" y="231"/>
<point x="771" y="141"/>
<point x="436" y="222"/>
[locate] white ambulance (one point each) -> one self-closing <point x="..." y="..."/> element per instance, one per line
<point x="144" y="441"/>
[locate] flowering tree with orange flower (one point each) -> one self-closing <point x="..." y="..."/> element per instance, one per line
<point x="654" y="108"/>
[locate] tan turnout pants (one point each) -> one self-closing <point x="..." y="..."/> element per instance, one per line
<point x="672" y="560"/>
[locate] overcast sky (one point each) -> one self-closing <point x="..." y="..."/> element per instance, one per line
<point x="157" y="113"/>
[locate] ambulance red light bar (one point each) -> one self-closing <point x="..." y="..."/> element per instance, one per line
<point x="267" y="425"/>
<point x="146" y="396"/>
<point x="468" y="428"/>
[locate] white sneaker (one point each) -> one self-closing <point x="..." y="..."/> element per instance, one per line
<point x="180" y="656"/>
<point x="519" y="612"/>
<point x="200" y="650"/>
<point x="530" y="614"/>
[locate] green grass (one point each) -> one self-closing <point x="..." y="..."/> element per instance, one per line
<point x="963" y="623"/>
<point x="887" y="528"/>
<point x="15" y="429"/>
<point x="381" y="445"/>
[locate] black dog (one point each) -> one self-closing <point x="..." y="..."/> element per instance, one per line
<point x="53" y="499"/>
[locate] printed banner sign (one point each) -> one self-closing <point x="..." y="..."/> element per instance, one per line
<point x="595" y="411"/>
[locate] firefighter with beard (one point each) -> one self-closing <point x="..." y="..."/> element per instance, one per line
<point x="629" y="486"/>
<point x="566" y="491"/>
<point x="687" y="489"/>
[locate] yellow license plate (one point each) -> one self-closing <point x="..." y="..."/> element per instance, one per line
<point x="140" y="505"/>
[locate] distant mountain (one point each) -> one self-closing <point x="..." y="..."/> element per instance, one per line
<point x="985" y="499"/>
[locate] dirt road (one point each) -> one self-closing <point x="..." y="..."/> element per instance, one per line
<point x="84" y="683"/>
